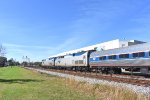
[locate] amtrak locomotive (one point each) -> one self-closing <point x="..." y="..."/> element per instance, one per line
<point x="131" y="58"/>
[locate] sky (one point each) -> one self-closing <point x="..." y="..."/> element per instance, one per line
<point x="41" y="28"/>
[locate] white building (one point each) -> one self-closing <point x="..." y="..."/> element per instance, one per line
<point x="103" y="46"/>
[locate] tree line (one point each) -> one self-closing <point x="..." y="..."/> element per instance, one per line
<point x="3" y="59"/>
<point x="12" y="62"/>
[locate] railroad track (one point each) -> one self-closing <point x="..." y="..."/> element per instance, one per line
<point x="130" y="80"/>
<point x="134" y="80"/>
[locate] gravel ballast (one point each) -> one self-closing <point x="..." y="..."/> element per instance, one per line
<point x="135" y="88"/>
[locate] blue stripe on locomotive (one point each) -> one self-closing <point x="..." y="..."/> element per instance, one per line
<point x="96" y="58"/>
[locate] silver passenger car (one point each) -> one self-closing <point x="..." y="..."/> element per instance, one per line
<point x="136" y="56"/>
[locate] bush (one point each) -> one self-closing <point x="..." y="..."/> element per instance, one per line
<point x="3" y="61"/>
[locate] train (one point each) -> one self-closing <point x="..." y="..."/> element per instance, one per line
<point x="131" y="58"/>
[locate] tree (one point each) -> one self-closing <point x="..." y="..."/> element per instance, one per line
<point x="17" y="63"/>
<point x="24" y="63"/>
<point x="11" y="62"/>
<point x="37" y="63"/>
<point x="3" y="61"/>
<point x="2" y="51"/>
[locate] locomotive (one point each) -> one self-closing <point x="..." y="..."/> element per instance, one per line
<point x="130" y="58"/>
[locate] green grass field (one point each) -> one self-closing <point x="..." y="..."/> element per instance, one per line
<point x="17" y="83"/>
<point x="20" y="84"/>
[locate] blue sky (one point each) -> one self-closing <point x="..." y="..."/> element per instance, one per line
<point x="40" y="28"/>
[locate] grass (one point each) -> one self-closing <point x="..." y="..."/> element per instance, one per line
<point x="20" y="84"/>
<point x="105" y="92"/>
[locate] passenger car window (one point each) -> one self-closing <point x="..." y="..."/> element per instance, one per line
<point x="112" y="57"/>
<point x="141" y="54"/>
<point x="124" y="56"/>
<point x="102" y="58"/>
<point x="135" y="54"/>
<point x="138" y="54"/>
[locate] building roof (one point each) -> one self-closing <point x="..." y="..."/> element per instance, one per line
<point x="100" y="46"/>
